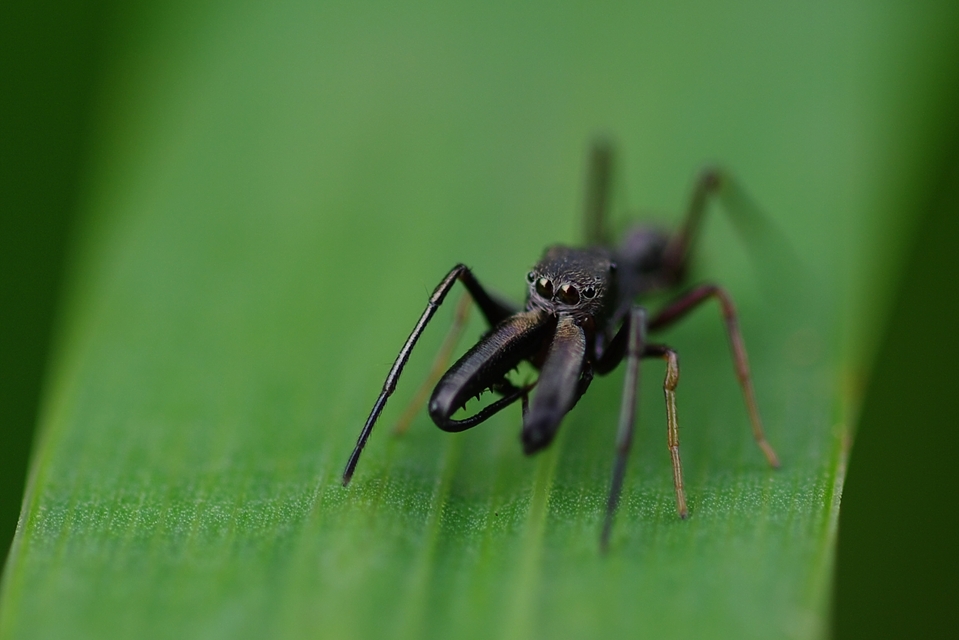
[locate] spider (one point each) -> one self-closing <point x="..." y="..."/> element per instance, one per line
<point x="582" y="317"/>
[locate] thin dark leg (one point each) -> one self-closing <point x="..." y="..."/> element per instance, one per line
<point x="749" y="220"/>
<point x="440" y="364"/>
<point x="597" y="193"/>
<point x="676" y="255"/>
<point x="686" y="303"/>
<point x="672" y="422"/>
<point x="492" y="309"/>
<point x="627" y="415"/>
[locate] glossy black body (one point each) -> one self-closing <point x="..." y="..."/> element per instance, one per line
<point x="576" y="300"/>
<point x="582" y="316"/>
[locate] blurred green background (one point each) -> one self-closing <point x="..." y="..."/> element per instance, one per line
<point x="257" y="199"/>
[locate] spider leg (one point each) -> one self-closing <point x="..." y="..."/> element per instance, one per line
<point x="676" y="255"/>
<point x="749" y="220"/>
<point x="635" y="329"/>
<point x="689" y="301"/>
<point x="672" y="423"/>
<point x="636" y="350"/>
<point x="492" y="308"/>
<point x="440" y="363"/>
<point x="597" y="193"/>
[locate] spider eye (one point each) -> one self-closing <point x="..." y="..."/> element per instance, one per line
<point x="544" y="288"/>
<point x="530" y="276"/>
<point x="568" y="294"/>
<point x="589" y="292"/>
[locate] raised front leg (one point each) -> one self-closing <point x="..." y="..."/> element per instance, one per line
<point x="493" y="309"/>
<point x="689" y="301"/>
<point x="440" y="364"/>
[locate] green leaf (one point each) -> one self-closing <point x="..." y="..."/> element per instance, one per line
<point x="276" y="190"/>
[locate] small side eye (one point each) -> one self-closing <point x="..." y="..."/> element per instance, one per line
<point x="589" y="293"/>
<point x="568" y="294"/>
<point x="544" y="288"/>
<point x="530" y="276"/>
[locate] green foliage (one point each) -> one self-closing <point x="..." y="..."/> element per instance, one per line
<point x="278" y="188"/>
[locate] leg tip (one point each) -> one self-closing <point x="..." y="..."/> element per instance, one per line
<point x="604" y="536"/>
<point x="770" y="455"/>
<point x="768" y="451"/>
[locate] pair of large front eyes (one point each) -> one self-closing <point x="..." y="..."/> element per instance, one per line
<point x="567" y="293"/>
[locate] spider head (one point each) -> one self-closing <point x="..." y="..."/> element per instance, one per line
<point x="579" y="282"/>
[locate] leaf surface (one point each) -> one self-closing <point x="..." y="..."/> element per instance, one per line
<point x="278" y="189"/>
